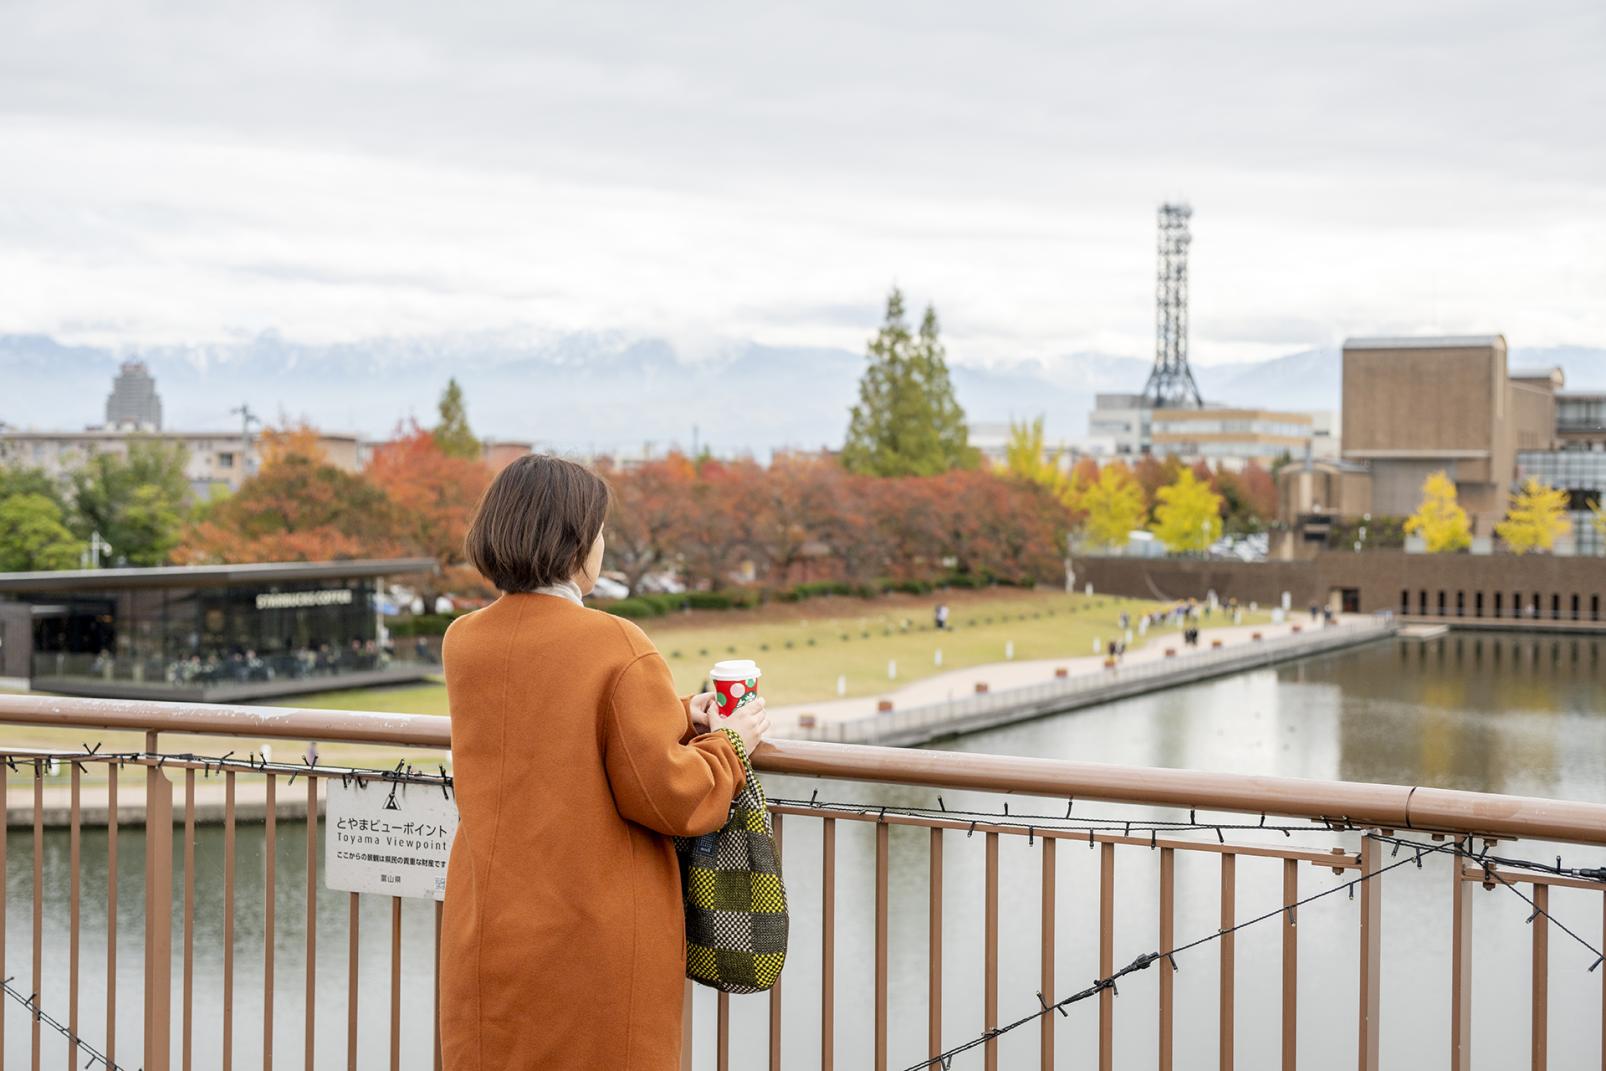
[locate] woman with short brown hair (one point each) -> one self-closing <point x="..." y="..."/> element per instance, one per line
<point x="563" y="934"/>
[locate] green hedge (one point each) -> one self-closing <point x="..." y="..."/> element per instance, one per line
<point x="424" y="624"/>
<point x="634" y="608"/>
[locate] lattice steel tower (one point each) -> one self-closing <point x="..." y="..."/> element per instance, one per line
<point x="1171" y="384"/>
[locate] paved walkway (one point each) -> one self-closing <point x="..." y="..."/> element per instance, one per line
<point x="999" y="676"/>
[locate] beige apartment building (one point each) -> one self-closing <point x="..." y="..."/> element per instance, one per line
<point x="217" y="459"/>
<point x="1231" y="437"/>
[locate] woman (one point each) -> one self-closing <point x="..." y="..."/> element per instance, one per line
<point x="563" y="937"/>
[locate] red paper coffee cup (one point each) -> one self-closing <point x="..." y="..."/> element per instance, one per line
<point x="735" y="684"/>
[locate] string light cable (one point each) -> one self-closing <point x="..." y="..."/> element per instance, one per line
<point x="42" y="1016"/>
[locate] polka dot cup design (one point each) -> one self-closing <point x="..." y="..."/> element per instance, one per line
<point x="735" y="684"/>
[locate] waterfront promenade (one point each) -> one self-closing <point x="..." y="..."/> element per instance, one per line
<point x="937" y="704"/>
<point x="948" y="702"/>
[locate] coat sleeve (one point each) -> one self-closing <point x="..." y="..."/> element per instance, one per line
<point x="677" y="789"/>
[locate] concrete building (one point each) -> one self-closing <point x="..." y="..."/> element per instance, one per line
<point x="1581" y="421"/>
<point x="133" y="402"/>
<point x="217" y="459"/>
<point x="1415" y="406"/>
<point x="1313" y="495"/>
<point x="1230" y="437"/>
<point x="1121" y="422"/>
<point x="1125" y="426"/>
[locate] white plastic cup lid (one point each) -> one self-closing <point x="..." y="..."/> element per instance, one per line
<point x="736" y="669"/>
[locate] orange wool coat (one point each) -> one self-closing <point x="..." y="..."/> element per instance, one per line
<point x="563" y="935"/>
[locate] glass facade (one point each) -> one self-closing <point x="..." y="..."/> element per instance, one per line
<point x="142" y="639"/>
<point x="1582" y="474"/>
<point x="1580" y="412"/>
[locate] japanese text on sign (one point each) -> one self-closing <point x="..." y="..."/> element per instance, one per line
<point x="388" y="838"/>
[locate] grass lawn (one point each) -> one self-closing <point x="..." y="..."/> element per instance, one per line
<point x="804" y="647"/>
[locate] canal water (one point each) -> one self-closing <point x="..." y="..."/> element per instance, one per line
<point x="1511" y="713"/>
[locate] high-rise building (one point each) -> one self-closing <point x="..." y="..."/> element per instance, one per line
<point x="133" y="402"/>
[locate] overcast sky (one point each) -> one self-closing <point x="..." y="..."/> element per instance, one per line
<point x="191" y="172"/>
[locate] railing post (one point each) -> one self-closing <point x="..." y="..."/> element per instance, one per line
<point x="1371" y="952"/>
<point x="1539" y="1011"/>
<point x="158" y="916"/>
<point x="1462" y="892"/>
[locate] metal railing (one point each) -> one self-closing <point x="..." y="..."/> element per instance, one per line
<point x="1380" y="811"/>
<point x="986" y="709"/>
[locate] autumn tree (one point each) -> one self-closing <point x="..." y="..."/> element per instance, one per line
<point x="647" y="516"/>
<point x="1536" y="519"/>
<point x="907" y="421"/>
<point x="1027" y="457"/>
<point x="1597" y="513"/>
<point x="34" y="535"/>
<point x="1187" y="515"/>
<point x="1153" y="473"/>
<point x="298" y="507"/>
<point x="434" y="493"/>
<point x="1440" y="519"/>
<point x="851" y="524"/>
<point x="1114" y="505"/>
<point x="792" y="509"/>
<point x="138" y="503"/>
<point x="1249" y="498"/>
<point x="715" y="527"/>
<point x="452" y="433"/>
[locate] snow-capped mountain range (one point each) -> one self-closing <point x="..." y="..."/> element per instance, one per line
<point x="600" y="391"/>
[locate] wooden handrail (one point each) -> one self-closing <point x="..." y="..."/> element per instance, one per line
<point x="1374" y="805"/>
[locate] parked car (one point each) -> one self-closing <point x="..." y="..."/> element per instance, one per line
<point x="609" y="589"/>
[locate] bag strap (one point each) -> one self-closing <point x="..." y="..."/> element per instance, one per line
<point x="752" y="783"/>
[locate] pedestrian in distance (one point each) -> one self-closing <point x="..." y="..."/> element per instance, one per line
<point x="563" y="938"/>
<point x="941" y="617"/>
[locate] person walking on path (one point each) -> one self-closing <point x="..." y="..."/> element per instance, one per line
<point x="563" y="932"/>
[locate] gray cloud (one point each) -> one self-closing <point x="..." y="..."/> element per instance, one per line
<point x="705" y="168"/>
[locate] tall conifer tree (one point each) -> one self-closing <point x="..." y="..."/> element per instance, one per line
<point x="452" y="434"/>
<point x="907" y="421"/>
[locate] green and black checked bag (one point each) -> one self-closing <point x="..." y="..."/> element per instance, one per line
<point x="736" y="922"/>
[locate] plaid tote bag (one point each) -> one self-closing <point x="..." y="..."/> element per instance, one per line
<point x="735" y="903"/>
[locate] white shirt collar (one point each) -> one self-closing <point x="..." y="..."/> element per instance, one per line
<point x="563" y="589"/>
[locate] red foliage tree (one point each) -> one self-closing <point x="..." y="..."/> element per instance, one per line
<point x="645" y="525"/>
<point x="435" y="494"/>
<point x="299" y="507"/>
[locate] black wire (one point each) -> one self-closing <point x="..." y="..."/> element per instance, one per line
<point x="402" y="773"/>
<point x="1018" y="820"/>
<point x="95" y="1055"/>
<point x="1142" y="963"/>
<point x="1489" y="872"/>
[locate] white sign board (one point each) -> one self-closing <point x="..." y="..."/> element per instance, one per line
<point x="388" y="838"/>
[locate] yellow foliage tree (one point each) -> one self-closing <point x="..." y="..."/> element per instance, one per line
<point x="1114" y="505"/>
<point x="1440" y="519"/>
<point x="1187" y="514"/>
<point x="1600" y="517"/>
<point x="1537" y="518"/>
<point x="1026" y="457"/>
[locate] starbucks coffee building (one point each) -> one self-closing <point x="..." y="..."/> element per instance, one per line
<point x="218" y="633"/>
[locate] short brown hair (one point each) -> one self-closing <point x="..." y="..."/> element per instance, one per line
<point x="537" y="522"/>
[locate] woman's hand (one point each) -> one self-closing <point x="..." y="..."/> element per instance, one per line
<point x="702" y="712"/>
<point x="749" y="721"/>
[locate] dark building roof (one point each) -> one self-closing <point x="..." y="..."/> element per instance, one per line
<point x="200" y="576"/>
